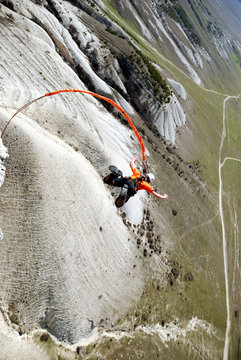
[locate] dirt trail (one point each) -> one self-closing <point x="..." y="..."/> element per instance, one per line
<point x="225" y="251"/>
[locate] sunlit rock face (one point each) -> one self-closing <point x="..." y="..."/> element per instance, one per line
<point x="66" y="257"/>
<point x="3" y="156"/>
<point x="169" y="118"/>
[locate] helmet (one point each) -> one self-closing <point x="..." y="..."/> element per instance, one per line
<point x="150" y="177"/>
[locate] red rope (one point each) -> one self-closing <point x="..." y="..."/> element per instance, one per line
<point x="90" y="93"/>
<point x="115" y="105"/>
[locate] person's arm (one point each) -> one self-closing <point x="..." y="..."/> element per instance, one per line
<point x="132" y="163"/>
<point x="159" y="196"/>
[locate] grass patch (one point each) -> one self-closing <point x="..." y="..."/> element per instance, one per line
<point x="178" y="14"/>
<point x="54" y="351"/>
<point x="236" y="57"/>
<point x="202" y="257"/>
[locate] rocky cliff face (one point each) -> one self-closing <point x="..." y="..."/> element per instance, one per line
<point x="77" y="274"/>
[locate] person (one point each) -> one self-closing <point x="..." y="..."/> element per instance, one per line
<point x="131" y="184"/>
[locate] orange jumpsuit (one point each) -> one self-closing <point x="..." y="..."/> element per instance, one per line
<point x="144" y="185"/>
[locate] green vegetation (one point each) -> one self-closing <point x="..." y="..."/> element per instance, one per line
<point x="91" y="3"/>
<point x="52" y="349"/>
<point x="14" y="319"/>
<point x="159" y="79"/>
<point x="140" y="61"/>
<point x="129" y="28"/>
<point x="152" y="77"/>
<point x="115" y="33"/>
<point x="170" y="11"/>
<point x="187" y="23"/>
<point x="178" y="14"/>
<point x="180" y="292"/>
<point x="89" y="349"/>
<point x="199" y="251"/>
<point x="14" y="314"/>
<point x="214" y="29"/>
<point x="236" y="56"/>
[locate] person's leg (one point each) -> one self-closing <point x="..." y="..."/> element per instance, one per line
<point x="131" y="190"/>
<point x="127" y="191"/>
<point x="115" y="173"/>
<point x="119" y="182"/>
<point x="108" y="179"/>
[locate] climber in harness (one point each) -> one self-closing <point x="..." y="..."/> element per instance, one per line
<point x="131" y="184"/>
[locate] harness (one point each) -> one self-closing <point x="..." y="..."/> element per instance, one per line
<point x="137" y="182"/>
